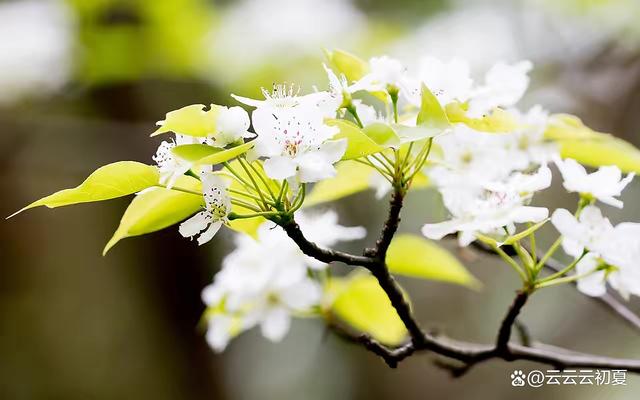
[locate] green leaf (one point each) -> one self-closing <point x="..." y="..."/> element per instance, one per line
<point x="108" y="182"/>
<point x="351" y="177"/>
<point x="351" y="66"/>
<point x="190" y="120"/>
<point x="591" y="148"/>
<point x="360" y="302"/>
<point x="498" y="120"/>
<point x="209" y="155"/>
<point x="431" y="114"/>
<point x="157" y="209"/>
<point x="417" y="257"/>
<point x="359" y="144"/>
<point x="521" y="235"/>
<point x="382" y="134"/>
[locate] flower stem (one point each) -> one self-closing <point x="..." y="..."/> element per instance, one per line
<point x="177" y="189"/>
<point x="352" y="110"/>
<point x="253" y="181"/>
<point x="548" y="254"/>
<point x="568" y="268"/>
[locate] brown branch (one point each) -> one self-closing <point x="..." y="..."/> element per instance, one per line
<point x="504" y="333"/>
<point x="467" y="353"/>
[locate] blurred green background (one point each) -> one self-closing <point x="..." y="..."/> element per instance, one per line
<point x="82" y="83"/>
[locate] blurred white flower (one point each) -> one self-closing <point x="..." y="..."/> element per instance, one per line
<point x="604" y="184"/>
<point x="448" y="81"/>
<point x="385" y="73"/>
<point x="504" y="86"/>
<point x="207" y="222"/>
<point x="483" y="34"/>
<point x="487" y="210"/>
<point x="36" y="49"/>
<point x="255" y="32"/>
<point x="264" y="280"/>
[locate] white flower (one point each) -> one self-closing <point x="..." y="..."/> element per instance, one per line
<point x="617" y="246"/>
<point x="283" y="97"/>
<point x="504" y="86"/>
<point x="297" y="143"/>
<point x="170" y="166"/>
<point x="232" y="125"/>
<point x="589" y="231"/>
<point x="527" y="141"/>
<point x="604" y="184"/>
<point x="472" y="159"/>
<point x="447" y="81"/>
<point x="264" y="280"/>
<point x="385" y="73"/>
<point x="488" y="209"/>
<point x="37" y="48"/>
<point x="324" y="230"/>
<point x="207" y="222"/>
<point x="594" y="283"/>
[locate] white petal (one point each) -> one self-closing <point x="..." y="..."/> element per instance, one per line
<point x="209" y="233"/>
<point x="280" y="167"/>
<point x="529" y="214"/>
<point x="302" y="296"/>
<point x="440" y="230"/>
<point x="219" y="332"/>
<point x="566" y="223"/>
<point x="275" y="324"/>
<point x="248" y="101"/>
<point x="195" y="224"/>
<point x="318" y="165"/>
<point x="593" y="284"/>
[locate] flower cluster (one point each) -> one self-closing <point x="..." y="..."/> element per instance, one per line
<point x="265" y="279"/>
<point x="491" y="159"/>
<point x="378" y="124"/>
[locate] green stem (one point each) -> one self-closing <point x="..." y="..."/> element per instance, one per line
<point x="512" y="263"/>
<point x="567" y="279"/>
<point x="177" y="189"/>
<point x="253" y="181"/>
<point x="352" y="110"/>
<point x="233" y="216"/>
<point x="246" y="205"/>
<point x="262" y="178"/>
<point x="249" y="195"/>
<point x="237" y="176"/>
<point x="548" y="254"/>
<point x="568" y="268"/>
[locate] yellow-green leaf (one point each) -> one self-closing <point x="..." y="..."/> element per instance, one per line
<point x="359" y="144"/>
<point x="498" y="120"/>
<point x="108" y="182"/>
<point x="157" y="209"/>
<point x="351" y="177"/>
<point x="360" y="302"/>
<point x="209" y="155"/>
<point x="351" y="66"/>
<point x="431" y="114"/>
<point x="191" y="120"/>
<point x="415" y="256"/>
<point x="382" y="134"/>
<point x="592" y="148"/>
